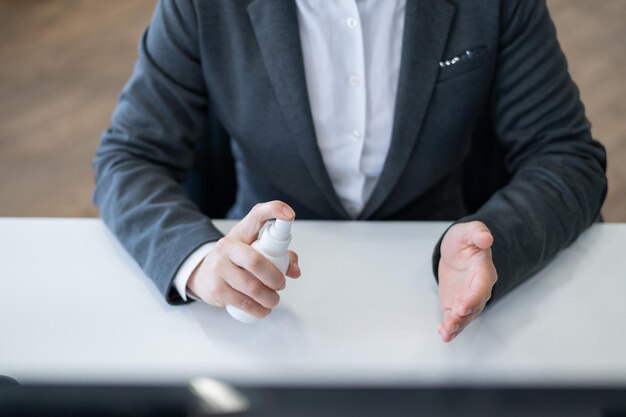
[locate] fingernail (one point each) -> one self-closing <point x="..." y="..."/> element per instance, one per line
<point x="282" y="287"/>
<point x="456" y="328"/>
<point x="288" y="212"/>
<point x="296" y="268"/>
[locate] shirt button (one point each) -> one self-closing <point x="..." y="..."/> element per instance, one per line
<point x="351" y="22"/>
<point x="354" y="80"/>
<point x="355" y="135"/>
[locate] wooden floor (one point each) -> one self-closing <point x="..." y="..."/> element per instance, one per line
<point x="63" y="62"/>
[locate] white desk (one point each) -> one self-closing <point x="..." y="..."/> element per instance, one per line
<point x="75" y="308"/>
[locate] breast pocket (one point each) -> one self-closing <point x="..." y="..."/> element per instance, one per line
<point x="462" y="63"/>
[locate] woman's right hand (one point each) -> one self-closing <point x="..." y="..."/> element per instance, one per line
<point x="235" y="274"/>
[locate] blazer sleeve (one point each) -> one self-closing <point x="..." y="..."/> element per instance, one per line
<point x="558" y="170"/>
<point x="145" y="154"/>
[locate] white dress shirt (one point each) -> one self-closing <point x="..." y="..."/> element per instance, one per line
<point x="351" y="51"/>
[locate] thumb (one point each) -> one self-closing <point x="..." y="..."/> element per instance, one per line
<point x="481" y="236"/>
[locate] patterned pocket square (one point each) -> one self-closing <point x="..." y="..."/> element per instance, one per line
<point x="468" y="55"/>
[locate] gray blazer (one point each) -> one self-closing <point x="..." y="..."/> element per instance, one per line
<point x="501" y="137"/>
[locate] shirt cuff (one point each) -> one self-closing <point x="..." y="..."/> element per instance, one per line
<point x="187" y="268"/>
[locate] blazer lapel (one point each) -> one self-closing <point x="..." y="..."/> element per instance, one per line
<point x="426" y="27"/>
<point x="275" y="25"/>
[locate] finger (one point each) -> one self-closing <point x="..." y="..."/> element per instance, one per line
<point x="446" y="335"/>
<point x="462" y="324"/>
<point x="465" y="321"/>
<point x="247" y="230"/>
<point x="294" y="269"/>
<point x="244" y="282"/>
<point x="217" y="292"/>
<point x="451" y="322"/>
<point x="241" y="301"/>
<point x="481" y="236"/>
<point x="475" y="298"/>
<point x="453" y="325"/>
<point x="469" y="305"/>
<point x="244" y="256"/>
<point x="449" y="325"/>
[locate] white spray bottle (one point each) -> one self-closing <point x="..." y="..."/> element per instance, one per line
<point x="273" y="244"/>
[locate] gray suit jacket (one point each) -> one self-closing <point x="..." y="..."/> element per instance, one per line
<point x="500" y="138"/>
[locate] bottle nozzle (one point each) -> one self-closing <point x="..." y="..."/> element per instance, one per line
<point x="281" y="229"/>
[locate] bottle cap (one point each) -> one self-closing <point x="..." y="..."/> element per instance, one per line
<point x="276" y="238"/>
